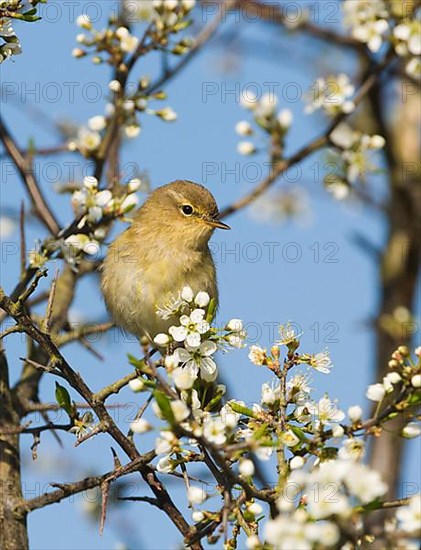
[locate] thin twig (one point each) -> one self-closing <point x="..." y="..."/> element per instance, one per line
<point x="50" y="303"/>
<point x="279" y="168"/>
<point x="22" y="238"/>
<point x="39" y="202"/>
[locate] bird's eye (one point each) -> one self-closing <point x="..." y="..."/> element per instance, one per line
<point x="187" y="209"/>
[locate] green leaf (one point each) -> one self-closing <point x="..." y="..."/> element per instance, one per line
<point x="241" y="409"/>
<point x="138" y="364"/>
<point x="63" y="399"/>
<point x="33" y="11"/>
<point x="164" y="406"/>
<point x="213" y="402"/>
<point x="298" y="432"/>
<point x="258" y="434"/>
<point x="415" y="398"/>
<point x="211" y="310"/>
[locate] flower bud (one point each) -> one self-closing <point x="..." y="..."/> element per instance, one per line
<point x="416" y="381"/>
<point x="140" y="426"/>
<point x="246" y="468"/>
<point x="161" y="339"/>
<point x="296" y="463"/>
<point x="355" y="413"/>
<point x="137" y="385"/>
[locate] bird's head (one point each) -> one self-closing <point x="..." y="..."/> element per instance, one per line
<point x="185" y="211"/>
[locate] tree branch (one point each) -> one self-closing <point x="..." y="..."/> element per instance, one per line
<point x="38" y="200"/>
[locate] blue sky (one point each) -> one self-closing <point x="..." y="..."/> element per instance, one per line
<point x="317" y="277"/>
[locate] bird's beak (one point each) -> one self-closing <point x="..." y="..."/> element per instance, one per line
<point x="216" y="223"/>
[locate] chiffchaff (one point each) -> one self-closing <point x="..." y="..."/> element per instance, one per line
<point x="164" y="250"/>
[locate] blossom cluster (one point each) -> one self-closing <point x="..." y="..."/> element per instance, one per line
<point x="374" y="22"/>
<point x="192" y="314"/>
<point x="14" y="10"/>
<point x="324" y="488"/>
<point x="351" y="158"/>
<point x="151" y="10"/>
<point x="91" y="206"/>
<point x="115" y="42"/>
<point x="89" y="138"/>
<point x="331" y="94"/>
<point x="332" y="489"/>
<point x="10" y="42"/>
<point x="273" y="123"/>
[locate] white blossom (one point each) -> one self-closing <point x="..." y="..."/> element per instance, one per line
<point x="243" y="128"/>
<point x="184" y="377"/>
<point x="197" y="516"/>
<point x="364" y="483"/>
<point x="298" y="388"/>
<point x="97" y="123"/>
<point x="332" y="95"/>
<point x="187" y="294"/>
<point x="284" y="118"/>
<point x="288" y="334"/>
<point x="270" y="394"/>
<point x="165" y="464"/>
<point x="372" y="33"/>
<point x="355" y="413"/>
<point x="375" y="392"/>
<point x="290" y="439"/>
<point x="137" y="385"/>
<point x="196" y="495"/>
<point x="202" y="299"/>
<point x="168" y="114"/>
<point x="409" y="517"/>
<point x="411" y="430"/>
<point x="320" y="361"/>
<point x="84" y="21"/>
<point x="132" y="131"/>
<point x="266" y="105"/>
<point x="199" y="360"/>
<point x="257" y="355"/>
<point x="87" y="140"/>
<point x="140" y="426"/>
<point x="128" y="42"/>
<point x="134" y="185"/>
<point x="129" y="202"/>
<point x="352" y="449"/>
<point x="255" y="508"/>
<point x="114" y="85"/>
<point x="248" y="100"/>
<point x="413" y="68"/>
<point x="246" y="468"/>
<point x="165" y="442"/>
<point x="416" y="381"/>
<point x="337" y="431"/>
<point x="344" y="136"/>
<point x="214" y="431"/>
<point x="235" y="325"/>
<point x="246" y="148"/>
<point x="191" y="329"/>
<point x="252" y="542"/>
<point x="326" y="411"/>
<point x="80" y="241"/>
<point x="180" y="410"/>
<point x="296" y="462"/>
<point x="161" y="339"/>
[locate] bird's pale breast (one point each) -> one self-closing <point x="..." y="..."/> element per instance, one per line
<point x="134" y="288"/>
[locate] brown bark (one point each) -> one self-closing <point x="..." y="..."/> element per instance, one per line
<point x="399" y="269"/>
<point x="13" y="528"/>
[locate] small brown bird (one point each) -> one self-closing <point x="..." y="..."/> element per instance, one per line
<point x="164" y="250"/>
